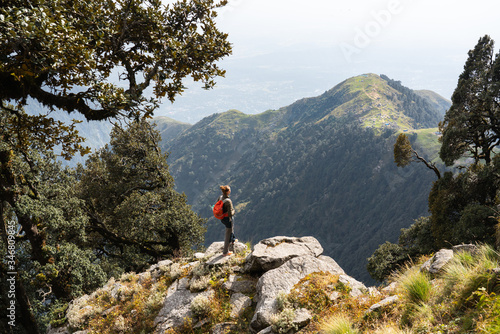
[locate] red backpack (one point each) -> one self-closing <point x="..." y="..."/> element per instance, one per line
<point x="218" y="210"/>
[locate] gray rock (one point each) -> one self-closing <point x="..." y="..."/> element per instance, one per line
<point x="357" y="288"/>
<point x="218" y="260"/>
<point x="163" y="263"/>
<point x="283" y="279"/>
<point x="391" y="288"/>
<point x="199" y="256"/>
<point x="223" y="328"/>
<point x="273" y="252"/>
<point x="176" y="306"/>
<point x="384" y="302"/>
<point x="436" y="263"/>
<point x="239" y="302"/>
<point x="239" y="284"/>
<point x="302" y="317"/>
<point x="471" y="248"/>
<point x="218" y="247"/>
<point x="373" y="292"/>
<point x="331" y="262"/>
<point x="267" y="330"/>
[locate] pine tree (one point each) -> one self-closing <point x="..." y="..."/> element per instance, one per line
<point x="471" y="125"/>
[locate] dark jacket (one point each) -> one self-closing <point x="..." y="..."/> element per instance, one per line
<point x="228" y="206"/>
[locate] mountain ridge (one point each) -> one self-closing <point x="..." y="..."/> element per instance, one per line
<point x="317" y="167"/>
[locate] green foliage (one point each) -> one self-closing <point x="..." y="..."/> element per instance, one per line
<point x="282" y="322"/>
<point x="402" y="151"/>
<point x="415" y="286"/>
<point x="467" y="273"/>
<point x="463" y="209"/>
<point x="404" y="154"/>
<point x="49" y="49"/>
<point x="461" y="299"/>
<point x="462" y="205"/>
<point x="64" y="247"/>
<point x="386" y="259"/>
<point x="338" y="324"/>
<point x="136" y="215"/>
<point x="54" y="264"/>
<point x="471" y="125"/>
<point x="488" y="306"/>
<point x="66" y="60"/>
<point x="315" y="290"/>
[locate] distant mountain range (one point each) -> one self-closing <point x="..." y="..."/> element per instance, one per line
<point x="322" y="166"/>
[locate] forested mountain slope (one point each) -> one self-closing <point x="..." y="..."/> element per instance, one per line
<point x="322" y="166"/>
<point x="169" y="128"/>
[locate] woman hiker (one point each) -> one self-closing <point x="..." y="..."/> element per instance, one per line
<point x="227" y="220"/>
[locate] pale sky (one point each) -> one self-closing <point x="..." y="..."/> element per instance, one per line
<point x="284" y="50"/>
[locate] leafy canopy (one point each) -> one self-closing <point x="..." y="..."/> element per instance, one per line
<point x="136" y="215"/>
<point x="70" y="54"/>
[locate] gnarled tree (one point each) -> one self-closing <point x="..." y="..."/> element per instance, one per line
<point x="99" y="58"/>
<point x="471" y="127"/>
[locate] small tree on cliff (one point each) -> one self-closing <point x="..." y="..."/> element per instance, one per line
<point x="404" y="154"/>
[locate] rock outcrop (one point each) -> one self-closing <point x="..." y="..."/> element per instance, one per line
<point x="283" y="279"/>
<point x="439" y="260"/>
<point x="186" y="289"/>
<point x="273" y="252"/>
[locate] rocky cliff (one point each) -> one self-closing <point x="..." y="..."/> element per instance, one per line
<point x="212" y="293"/>
<point x="285" y="285"/>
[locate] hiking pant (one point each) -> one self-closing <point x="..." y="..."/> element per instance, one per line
<point x="227" y="238"/>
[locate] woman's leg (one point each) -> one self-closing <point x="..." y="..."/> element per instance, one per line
<point x="227" y="239"/>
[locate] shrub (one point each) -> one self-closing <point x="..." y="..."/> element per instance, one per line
<point x="282" y="301"/>
<point x="338" y="324"/>
<point x="201" y="306"/>
<point x="128" y="277"/>
<point x="282" y="322"/>
<point x="314" y="291"/>
<point x="466" y="273"/>
<point x="174" y="271"/>
<point x="199" y="283"/>
<point x="415" y="285"/>
<point x="489" y="307"/>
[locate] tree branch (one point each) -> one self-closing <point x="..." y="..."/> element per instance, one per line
<point x="431" y="166"/>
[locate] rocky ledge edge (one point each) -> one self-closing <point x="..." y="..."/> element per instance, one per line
<point x="254" y="280"/>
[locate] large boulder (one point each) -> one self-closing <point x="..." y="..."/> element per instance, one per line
<point x="176" y="306"/>
<point x="273" y="252"/>
<point x="283" y="279"/>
